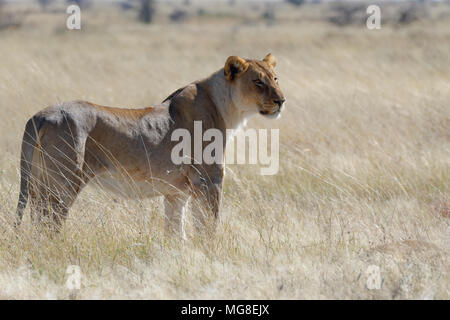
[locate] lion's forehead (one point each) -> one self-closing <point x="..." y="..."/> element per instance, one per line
<point x="262" y="67"/>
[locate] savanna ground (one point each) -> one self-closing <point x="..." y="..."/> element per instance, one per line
<point x="364" y="160"/>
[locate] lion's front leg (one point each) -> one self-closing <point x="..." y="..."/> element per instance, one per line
<point x="174" y="206"/>
<point x="206" y="203"/>
<point x="207" y="194"/>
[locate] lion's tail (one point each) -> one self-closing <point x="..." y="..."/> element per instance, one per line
<point x="29" y="141"/>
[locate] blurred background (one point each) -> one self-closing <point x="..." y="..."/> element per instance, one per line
<point x="364" y="149"/>
<point x="19" y="13"/>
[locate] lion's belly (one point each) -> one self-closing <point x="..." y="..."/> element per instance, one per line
<point x="137" y="187"/>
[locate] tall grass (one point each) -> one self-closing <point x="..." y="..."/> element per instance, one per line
<point x="364" y="163"/>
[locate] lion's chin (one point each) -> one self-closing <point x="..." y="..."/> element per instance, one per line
<point x="271" y="115"/>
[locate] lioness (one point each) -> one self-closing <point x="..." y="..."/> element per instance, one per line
<point x="66" y="145"/>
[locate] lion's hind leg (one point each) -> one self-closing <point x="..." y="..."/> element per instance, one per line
<point x="60" y="178"/>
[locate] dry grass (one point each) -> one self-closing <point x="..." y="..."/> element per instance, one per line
<point x="364" y="163"/>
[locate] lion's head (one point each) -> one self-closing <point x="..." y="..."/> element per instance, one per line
<point x="254" y="85"/>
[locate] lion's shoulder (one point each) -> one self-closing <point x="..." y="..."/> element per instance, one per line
<point x="194" y="103"/>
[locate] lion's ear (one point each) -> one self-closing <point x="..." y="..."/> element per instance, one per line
<point x="234" y="67"/>
<point x="270" y="59"/>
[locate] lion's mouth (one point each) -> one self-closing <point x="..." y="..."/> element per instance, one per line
<point x="270" y="113"/>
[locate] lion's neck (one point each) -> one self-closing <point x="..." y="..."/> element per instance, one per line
<point x="221" y="94"/>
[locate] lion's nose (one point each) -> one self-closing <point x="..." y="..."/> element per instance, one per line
<point x="279" y="102"/>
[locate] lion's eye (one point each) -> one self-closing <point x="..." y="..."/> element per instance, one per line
<point x="259" y="83"/>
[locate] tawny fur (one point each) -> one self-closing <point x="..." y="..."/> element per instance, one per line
<point x="129" y="150"/>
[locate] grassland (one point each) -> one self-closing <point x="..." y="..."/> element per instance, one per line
<point x="364" y="173"/>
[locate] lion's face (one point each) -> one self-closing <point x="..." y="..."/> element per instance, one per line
<point x="255" y="85"/>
